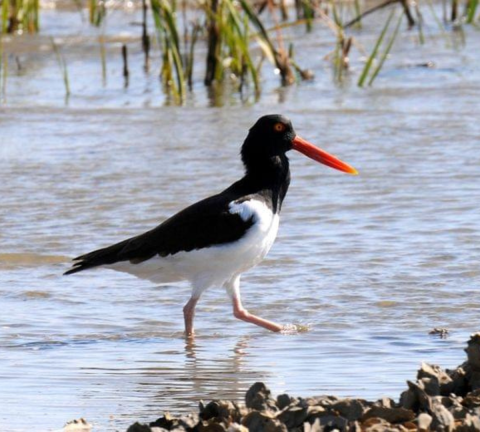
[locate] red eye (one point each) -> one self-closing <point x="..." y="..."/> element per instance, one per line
<point x="279" y="127"/>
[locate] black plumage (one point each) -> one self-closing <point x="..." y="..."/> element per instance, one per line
<point x="214" y="241"/>
<point x="209" y="222"/>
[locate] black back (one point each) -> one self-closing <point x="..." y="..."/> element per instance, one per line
<point x="209" y="222"/>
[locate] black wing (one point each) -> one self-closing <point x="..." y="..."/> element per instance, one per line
<point x="206" y="223"/>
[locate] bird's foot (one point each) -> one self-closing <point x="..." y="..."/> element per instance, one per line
<point x="289" y="329"/>
<point x="190" y="334"/>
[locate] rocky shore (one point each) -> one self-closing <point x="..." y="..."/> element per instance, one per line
<point x="439" y="400"/>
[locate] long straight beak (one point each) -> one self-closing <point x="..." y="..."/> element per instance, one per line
<point x="321" y="156"/>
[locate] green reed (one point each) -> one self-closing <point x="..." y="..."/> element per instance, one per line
<point x="103" y="58"/>
<point x="371" y="59"/>
<point x="63" y="68"/>
<point x="472" y="6"/>
<point x="275" y="52"/>
<point x="20" y="16"/>
<point x="237" y="39"/>
<point x="96" y="12"/>
<point x="166" y="26"/>
<point x="386" y="51"/>
<point x="3" y="70"/>
<point x="228" y="40"/>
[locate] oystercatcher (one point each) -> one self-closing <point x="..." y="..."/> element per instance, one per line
<point x="215" y="240"/>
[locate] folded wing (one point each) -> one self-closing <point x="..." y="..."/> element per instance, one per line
<point x="206" y="223"/>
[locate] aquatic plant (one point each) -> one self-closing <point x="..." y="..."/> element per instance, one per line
<point x="63" y="67"/>
<point x="166" y="26"/>
<point x="237" y="37"/>
<point x="96" y="11"/>
<point x="471" y="10"/>
<point x="373" y="55"/>
<point x="228" y="40"/>
<point x="3" y="71"/>
<point x="386" y="51"/>
<point x="103" y="58"/>
<point x="19" y="16"/>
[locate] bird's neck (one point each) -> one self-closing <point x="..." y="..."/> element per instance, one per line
<point x="270" y="178"/>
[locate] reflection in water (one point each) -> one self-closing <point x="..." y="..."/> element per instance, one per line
<point x="225" y="378"/>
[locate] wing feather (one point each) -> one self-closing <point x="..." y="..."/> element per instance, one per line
<point x="206" y="223"/>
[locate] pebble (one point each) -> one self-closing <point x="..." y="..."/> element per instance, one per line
<point x="439" y="400"/>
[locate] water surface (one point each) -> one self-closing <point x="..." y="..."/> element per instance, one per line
<point x="370" y="263"/>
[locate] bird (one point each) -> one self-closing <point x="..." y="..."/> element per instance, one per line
<point x="214" y="241"/>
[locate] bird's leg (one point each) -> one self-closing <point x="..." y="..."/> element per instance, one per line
<point x="240" y="312"/>
<point x="189" y="314"/>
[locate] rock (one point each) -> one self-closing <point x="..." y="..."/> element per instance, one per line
<point x="391" y="415"/>
<point x="472" y="400"/>
<point x="313" y="427"/>
<point x="221" y="409"/>
<point x="293" y="416"/>
<point x="424" y="421"/>
<point x="459" y="385"/>
<point x="472" y="367"/>
<point x="385" y="403"/>
<point x="189" y="421"/>
<point x="328" y="422"/>
<point x="439" y="401"/>
<point x="470" y="424"/>
<point x="430" y="385"/>
<point x="284" y="400"/>
<point x="439" y="331"/>
<point x="474" y="380"/>
<point x="77" y="425"/>
<point x="138" y="427"/>
<point x="258" y="397"/>
<point x="442" y="419"/>
<point x="375" y="424"/>
<point x="473" y="351"/>
<point x="440" y="381"/>
<point x="415" y="398"/>
<point x="263" y="422"/>
<point x="454" y="405"/>
<point x="351" y="409"/>
<point x="235" y="427"/>
<point x="320" y="400"/>
<point x="355" y="427"/>
<point x="167" y="422"/>
<point x="212" y="425"/>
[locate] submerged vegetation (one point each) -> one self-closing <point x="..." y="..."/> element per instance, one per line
<point x="237" y="36"/>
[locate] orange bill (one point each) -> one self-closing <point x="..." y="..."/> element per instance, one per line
<point x="321" y="156"/>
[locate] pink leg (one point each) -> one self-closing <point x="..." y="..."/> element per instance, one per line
<point x="189" y="314"/>
<point x="241" y="313"/>
<point x="233" y="287"/>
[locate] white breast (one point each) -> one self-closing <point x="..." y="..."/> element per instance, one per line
<point x="217" y="264"/>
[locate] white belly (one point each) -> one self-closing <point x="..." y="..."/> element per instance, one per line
<point x="217" y="264"/>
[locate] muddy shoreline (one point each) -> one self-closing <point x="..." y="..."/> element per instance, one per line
<point x="438" y="400"/>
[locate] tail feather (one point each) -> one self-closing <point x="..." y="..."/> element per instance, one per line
<point x="108" y="255"/>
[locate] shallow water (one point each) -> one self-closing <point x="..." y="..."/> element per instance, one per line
<point x="370" y="263"/>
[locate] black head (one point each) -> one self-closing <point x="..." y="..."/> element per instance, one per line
<point x="271" y="136"/>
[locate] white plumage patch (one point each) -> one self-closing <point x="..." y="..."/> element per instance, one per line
<point x="214" y="265"/>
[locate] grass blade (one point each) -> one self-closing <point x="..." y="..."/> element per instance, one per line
<point x="471" y="11"/>
<point x="63" y="66"/>
<point x="370" y="60"/>
<point x="3" y="71"/>
<point x="386" y="52"/>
